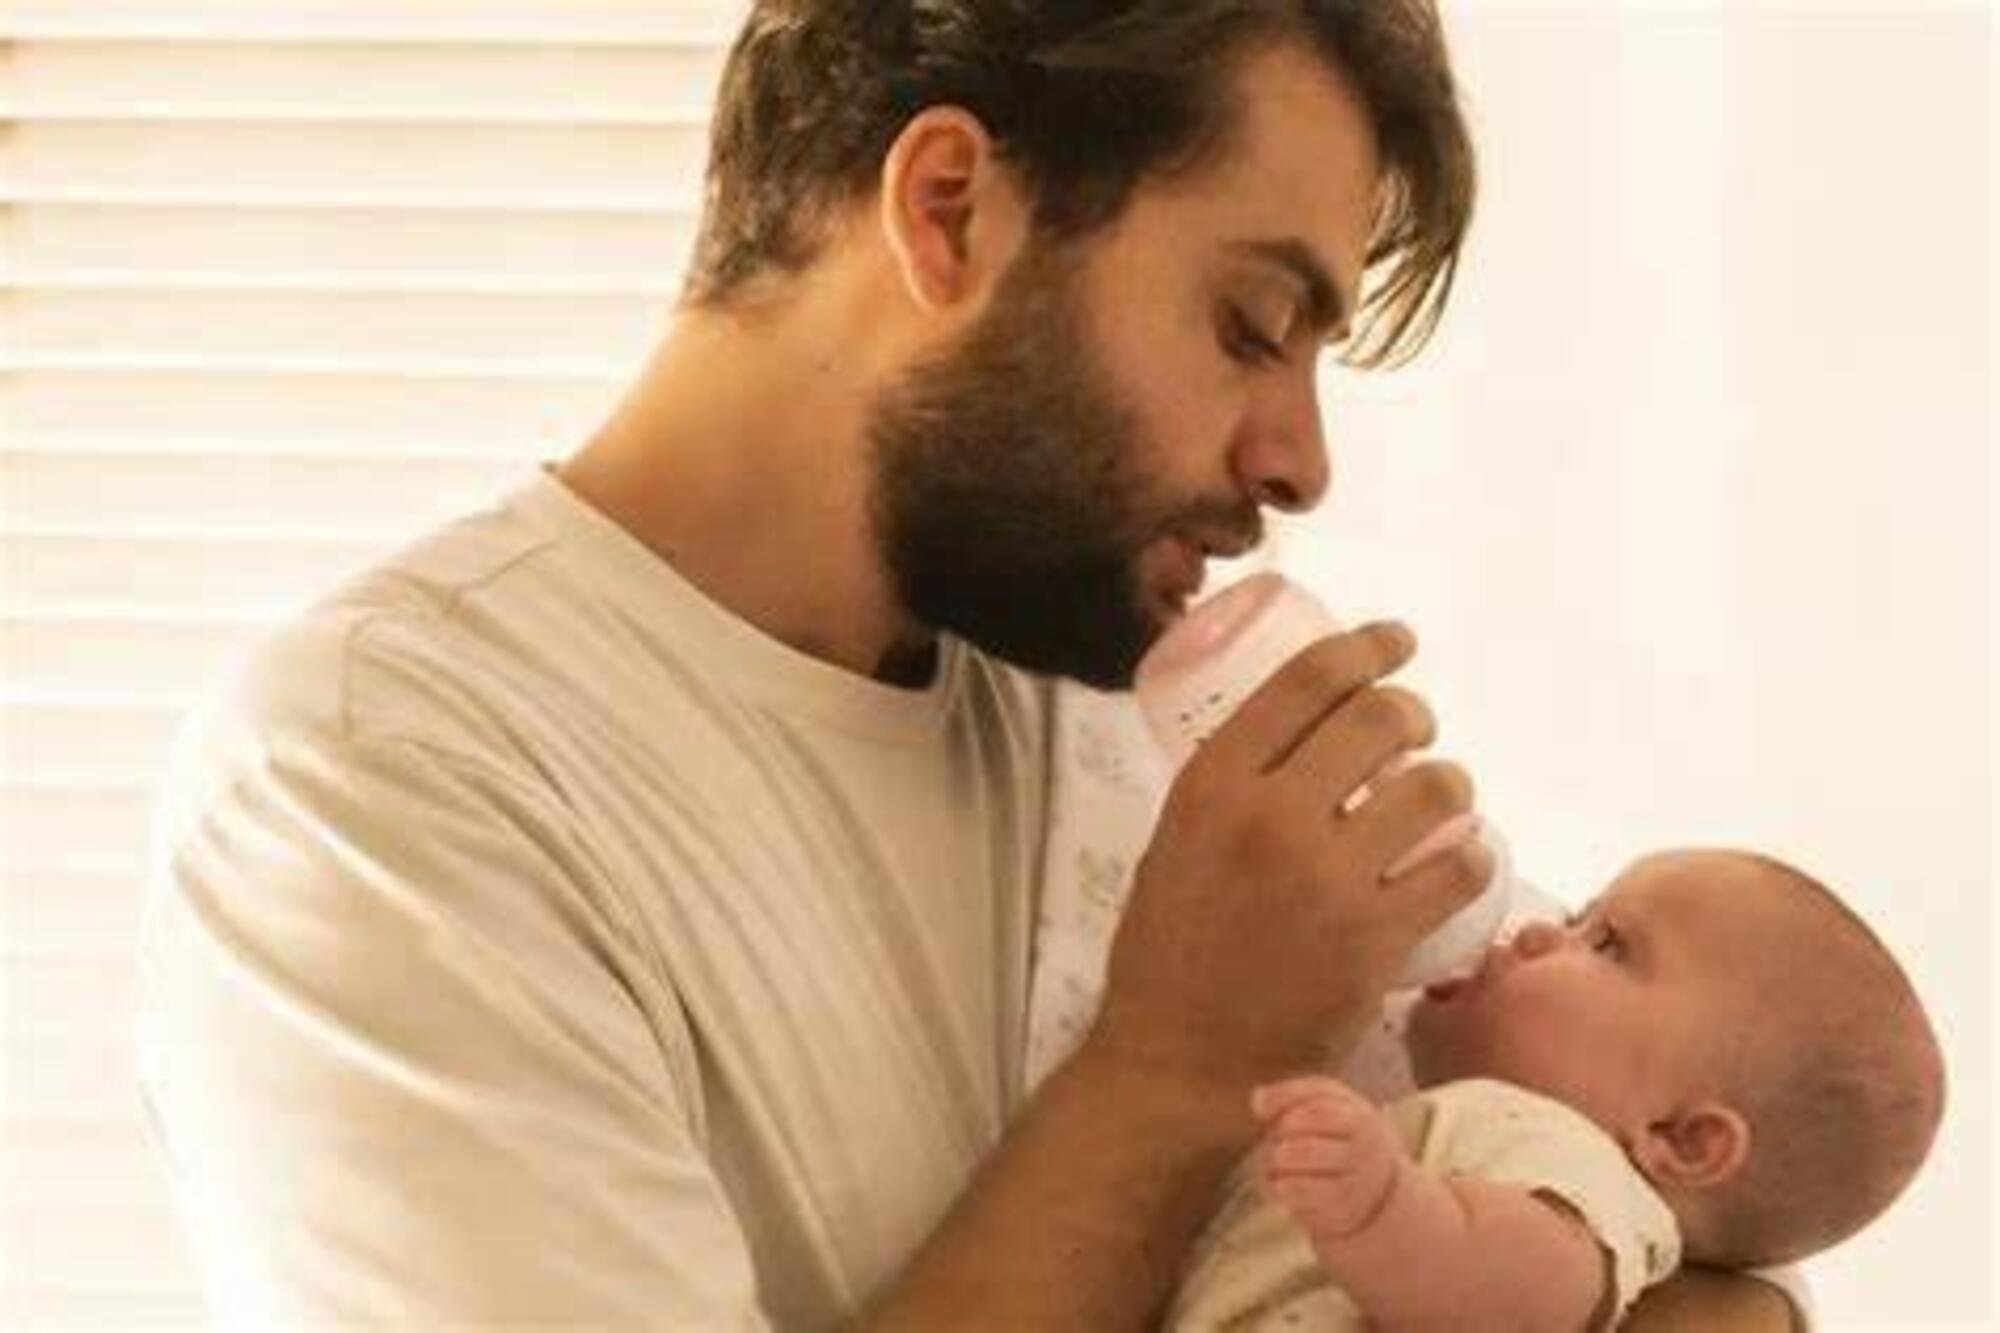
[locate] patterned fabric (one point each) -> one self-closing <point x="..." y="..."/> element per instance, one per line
<point x="1107" y="785"/>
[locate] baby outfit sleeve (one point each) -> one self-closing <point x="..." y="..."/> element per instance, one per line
<point x="1254" y="1271"/>
<point x="1499" y="1132"/>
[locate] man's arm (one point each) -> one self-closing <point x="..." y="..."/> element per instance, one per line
<point x="1259" y="936"/>
<point x="1713" y="1301"/>
<point x="1080" y="1220"/>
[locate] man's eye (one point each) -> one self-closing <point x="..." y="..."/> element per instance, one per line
<point x="1243" y="342"/>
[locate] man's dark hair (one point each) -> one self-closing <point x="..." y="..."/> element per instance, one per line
<point x="1085" y="98"/>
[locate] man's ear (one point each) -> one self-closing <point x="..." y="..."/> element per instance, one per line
<point x="1697" y="1147"/>
<point x="952" y="213"/>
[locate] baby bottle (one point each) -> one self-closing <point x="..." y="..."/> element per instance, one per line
<point x="1217" y="655"/>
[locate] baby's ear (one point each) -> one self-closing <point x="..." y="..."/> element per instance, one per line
<point x="1698" y="1147"/>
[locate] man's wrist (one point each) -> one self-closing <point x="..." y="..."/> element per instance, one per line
<point x="1198" y="1114"/>
<point x="1081" y="1220"/>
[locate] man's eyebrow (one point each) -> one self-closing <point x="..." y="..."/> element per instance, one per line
<point x="1326" y="310"/>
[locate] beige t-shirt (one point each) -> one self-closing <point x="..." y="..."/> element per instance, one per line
<point x="531" y="942"/>
<point x="1254" y="1269"/>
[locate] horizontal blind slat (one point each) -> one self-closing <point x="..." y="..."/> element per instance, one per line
<point x="417" y="328"/>
<point x="73" y="914"/>
<point x="400" y="246"/>
<point x="556" y="413"/>
<point x="459" y="84"/>
<point x="52" y="111"/>
<point x="130" y="743"/>
<point x="48" y="1079"/>
<point x="115" y="659"/>
<point x="83" y="1000"/>
<point x="264" y="577"/>
<point x="620" y="202"/>
<point x="583" y="22"/>
<point x="523" y="161"/>
<point x="89" y="1168"/>
<point x="93" y="1305"/>
<point x="48" y="489"/>
<point x="416" y="450"/>
<point x="323" y="364"/>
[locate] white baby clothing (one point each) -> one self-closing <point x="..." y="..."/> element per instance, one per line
<point x="1254" y="1271"/>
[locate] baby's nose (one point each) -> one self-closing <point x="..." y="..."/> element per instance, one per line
<point x="1536" y="938"/>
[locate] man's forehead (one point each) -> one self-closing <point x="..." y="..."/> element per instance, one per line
<point x="1300" y="180"/>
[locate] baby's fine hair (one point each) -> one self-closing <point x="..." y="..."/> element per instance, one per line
<point x="1840" y="1077"/>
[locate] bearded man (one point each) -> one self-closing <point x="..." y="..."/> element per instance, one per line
<point x="614" y="910"/>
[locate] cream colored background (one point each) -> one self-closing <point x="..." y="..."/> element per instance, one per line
<point x="1692" y="506"/>
<point x="1692" y="502"/>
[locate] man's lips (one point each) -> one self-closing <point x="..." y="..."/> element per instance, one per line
<point x="1195" y="562"/>
<point x="1175" y="568"/>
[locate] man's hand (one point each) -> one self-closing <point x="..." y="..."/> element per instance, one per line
<point x="1261" y="933"/>
<point x="1327" y="1157"/>
<point x="1708" y="1300"/>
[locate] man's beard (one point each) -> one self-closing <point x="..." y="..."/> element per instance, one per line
<point x="1007" y="501"/>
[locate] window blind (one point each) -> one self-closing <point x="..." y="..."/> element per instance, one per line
<point x="283" y="285"/>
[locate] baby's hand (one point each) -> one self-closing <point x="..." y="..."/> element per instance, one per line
<point x="1328" y="1158"/>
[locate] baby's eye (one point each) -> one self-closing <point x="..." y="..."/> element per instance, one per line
<point x="1605" y="939"/>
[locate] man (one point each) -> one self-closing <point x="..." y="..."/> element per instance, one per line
<point x="613" y="911"/>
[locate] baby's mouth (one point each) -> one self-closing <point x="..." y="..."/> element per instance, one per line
<point x="1443" y="992"/>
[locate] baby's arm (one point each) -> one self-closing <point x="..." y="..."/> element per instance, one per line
<point x="1417" y="1251"/>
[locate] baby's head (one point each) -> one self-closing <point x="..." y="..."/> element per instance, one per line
<point x="1744" y="1036"/>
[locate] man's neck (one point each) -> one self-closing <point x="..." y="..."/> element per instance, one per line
<point x="739" y="458"/>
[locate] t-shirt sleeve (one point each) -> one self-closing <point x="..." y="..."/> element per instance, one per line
<point x="405" y="1067"/>
<point x="1507" y="1134"/>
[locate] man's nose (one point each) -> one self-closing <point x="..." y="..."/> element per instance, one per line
<point x="1283" y="462"/>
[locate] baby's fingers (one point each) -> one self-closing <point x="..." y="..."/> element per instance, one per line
<point x="1322" y="1157"/>
<point x="1286" y="1098"/>
<point x="1272" y="1100"/>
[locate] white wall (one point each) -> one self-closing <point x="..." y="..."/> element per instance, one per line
<point x="1692" y="501"/>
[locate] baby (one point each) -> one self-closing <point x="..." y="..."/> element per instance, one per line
<point x="1716" y="1060"/>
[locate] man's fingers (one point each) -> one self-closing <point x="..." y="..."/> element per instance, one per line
<point x="1408" y="811"/>
<point x="1373" y="730"/>
<point x="1271" y="724"/>
<point x="1426" y="896"/>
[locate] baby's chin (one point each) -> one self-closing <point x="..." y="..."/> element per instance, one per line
<point x="1449" y="1040"/>
<point x="1435" y="1056"/>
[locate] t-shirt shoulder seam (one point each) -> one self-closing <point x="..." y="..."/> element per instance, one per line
<point x="373" y="616"/>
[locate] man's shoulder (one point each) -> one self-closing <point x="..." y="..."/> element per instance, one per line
<point x="389" y="651"/>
